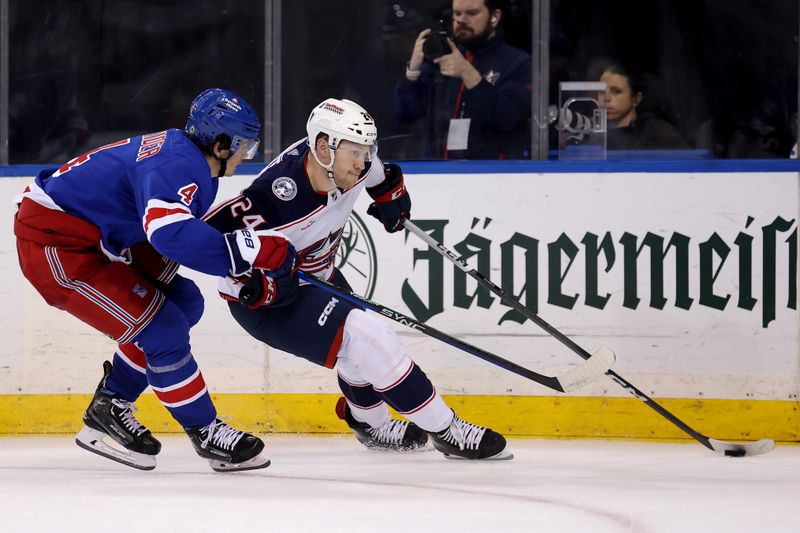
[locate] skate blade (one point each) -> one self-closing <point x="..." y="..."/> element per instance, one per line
<point x="504" y="455"/>
<point x="255" y="463"/>
<point x="398" y="449"/>
<point x="92" y="440"/>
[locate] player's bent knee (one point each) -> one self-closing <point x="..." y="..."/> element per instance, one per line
<point x="186" y="295"/>
<point x="168" y="333"/>
<point x="371" y="351"/>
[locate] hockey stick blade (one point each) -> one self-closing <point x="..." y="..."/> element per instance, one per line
<point x="730" y="449"/>
<point x="733" y="449"/>
<point x="592" y="369"/>
<point x="597" y="365"/>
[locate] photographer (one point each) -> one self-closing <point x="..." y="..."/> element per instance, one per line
<point x="473" y="88"/>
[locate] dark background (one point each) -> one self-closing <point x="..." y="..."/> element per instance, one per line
<point x="84" y="73"/>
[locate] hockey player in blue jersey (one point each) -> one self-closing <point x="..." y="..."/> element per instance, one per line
<point x="307" y="194"/>
<point x="102" y="237"/>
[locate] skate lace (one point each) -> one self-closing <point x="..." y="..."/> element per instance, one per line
<point x="126" y="416"/>
<point x="463" y="434"/>
<point x="392" y="432"/>
<point x="221" y="435"/>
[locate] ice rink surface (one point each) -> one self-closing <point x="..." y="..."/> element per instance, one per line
<point x="331" y="484"/>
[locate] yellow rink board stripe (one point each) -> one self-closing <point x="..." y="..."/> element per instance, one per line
<point x="516" y="416"/>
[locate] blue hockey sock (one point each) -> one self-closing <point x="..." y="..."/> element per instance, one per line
<point x="182" y="390"/>
<point x="128" y="379"/>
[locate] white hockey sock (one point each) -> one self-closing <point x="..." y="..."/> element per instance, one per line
<point x="375" y="416"/>
<point x="434" y="416"/>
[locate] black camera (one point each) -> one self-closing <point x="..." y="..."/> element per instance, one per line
<point x="435" y="45"/>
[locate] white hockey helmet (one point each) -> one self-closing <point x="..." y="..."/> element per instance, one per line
<point x="341" y="120"/>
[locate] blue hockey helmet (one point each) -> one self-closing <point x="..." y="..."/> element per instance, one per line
<point x="215" y="112"/>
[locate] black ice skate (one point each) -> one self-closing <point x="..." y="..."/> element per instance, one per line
<point x="463" y="440"/>
<point x="226" y="448"/>
<point x="399" y="435"/>
<point x="108" y="415"/>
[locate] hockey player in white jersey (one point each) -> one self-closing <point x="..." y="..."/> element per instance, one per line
<point x="307" y="194"/>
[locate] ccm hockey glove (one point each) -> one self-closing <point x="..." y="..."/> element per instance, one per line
<point x="392" y="202"/>
<point x="265" y="249"/>
<point x="265" y="290"/>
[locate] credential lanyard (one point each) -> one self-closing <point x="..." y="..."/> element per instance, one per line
<point x="458" y="110"/>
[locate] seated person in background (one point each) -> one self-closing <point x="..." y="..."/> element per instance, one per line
<point x="629" y="129"/>
<point x="475" y="91"/>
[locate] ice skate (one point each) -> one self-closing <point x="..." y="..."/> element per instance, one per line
<point x="462" y="440"/>
<point x="399" y="435"/>
<point x="226" y="448"/>
<point x="108" y="415"/>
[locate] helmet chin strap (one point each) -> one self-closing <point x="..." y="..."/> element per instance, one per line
<point x="223" y="161"/>
<point x="329" y="167"/>
<point x="223" y="166"/>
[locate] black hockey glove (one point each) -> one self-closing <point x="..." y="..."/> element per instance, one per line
<point x="265" y="289"/>
<point x="392" y="202"/>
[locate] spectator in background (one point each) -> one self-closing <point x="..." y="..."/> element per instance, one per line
<point x="628" y="127"/>
<point x="473" y="89"/>
<point x="765" y="134"/>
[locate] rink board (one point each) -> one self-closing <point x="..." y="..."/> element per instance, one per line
<point x="718" y="339"/>
<point x="516" y="416"/>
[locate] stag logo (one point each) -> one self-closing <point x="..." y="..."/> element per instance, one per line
<point x="356" y="256"/>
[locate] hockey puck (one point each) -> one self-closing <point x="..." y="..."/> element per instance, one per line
<point x="739" y="452"/>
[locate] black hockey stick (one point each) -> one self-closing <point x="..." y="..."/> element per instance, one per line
<point x="727" y="448"/>
<point x="595" y="366"/>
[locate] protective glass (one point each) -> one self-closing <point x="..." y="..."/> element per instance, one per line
<point x="250" y="146"/>
<point x="358" y="151"/>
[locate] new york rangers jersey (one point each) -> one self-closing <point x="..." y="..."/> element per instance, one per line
<point x="153" y="187"/>
<point x="282" y="199"/>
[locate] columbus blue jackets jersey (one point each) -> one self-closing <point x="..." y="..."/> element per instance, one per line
<point x="153" y="187"/>
<point x="282" y="199"/>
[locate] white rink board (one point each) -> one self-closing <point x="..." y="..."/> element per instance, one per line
<point x="669" y="352"/>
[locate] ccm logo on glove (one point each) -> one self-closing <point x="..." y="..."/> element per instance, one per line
<point x="264" y="289"/>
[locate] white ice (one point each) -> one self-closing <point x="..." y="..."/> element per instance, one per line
<point x="331" y="484"/>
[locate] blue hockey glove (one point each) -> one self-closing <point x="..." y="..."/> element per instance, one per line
<point x="392" y="202"/>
